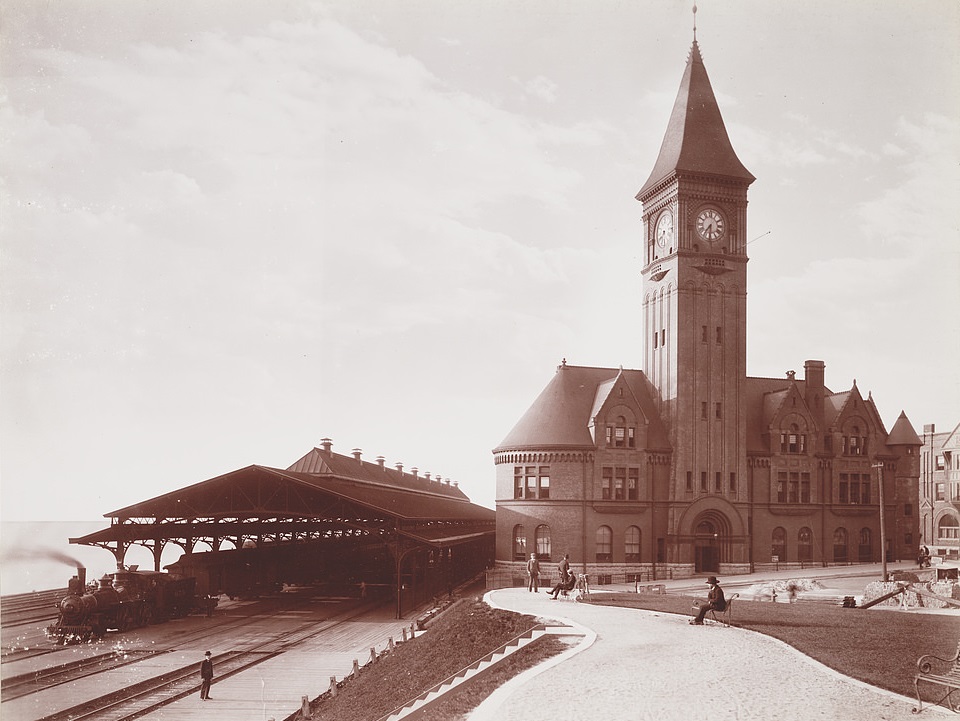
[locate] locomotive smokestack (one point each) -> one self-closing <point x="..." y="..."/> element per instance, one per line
<point x="82" y="577"/>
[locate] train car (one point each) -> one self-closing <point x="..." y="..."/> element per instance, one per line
<point x="127" y="599"/>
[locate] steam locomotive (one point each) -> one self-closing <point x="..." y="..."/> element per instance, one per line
<point x="127" y="599"/>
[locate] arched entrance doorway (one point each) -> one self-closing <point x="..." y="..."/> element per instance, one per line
<point x="711" y="541"/>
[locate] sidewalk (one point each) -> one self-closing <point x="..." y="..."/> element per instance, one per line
<point x="636" y="665"/>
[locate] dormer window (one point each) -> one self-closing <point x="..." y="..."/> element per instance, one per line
<point x="620" y="435"/>
<point x="793" y="441"/>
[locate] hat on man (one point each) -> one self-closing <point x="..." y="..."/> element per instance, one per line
<point x="713" y="581"/>
<point x="207" y="653"/>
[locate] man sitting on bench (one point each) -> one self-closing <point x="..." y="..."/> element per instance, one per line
<point x="715" y="601"/>
<point x="564" y="585"/>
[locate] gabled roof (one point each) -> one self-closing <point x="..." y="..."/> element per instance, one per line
<point x="696" y="140"/>
<point x="560" y="416"/>
<point x="902" y="433"/>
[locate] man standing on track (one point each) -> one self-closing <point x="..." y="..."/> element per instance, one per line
<point x="206" y="673"/>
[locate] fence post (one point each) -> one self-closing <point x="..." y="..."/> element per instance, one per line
<point x="356" y="668"/>
<point x="404" y="633"/>
<point x="305" y="707"/>
<point x="390" y="642"/>
<point x="373" y="653"/>
<point x="413" y="630"/>
<point x="333" y="687"/>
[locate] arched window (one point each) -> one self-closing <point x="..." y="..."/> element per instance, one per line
<point x="865" y="551"/>
<point x="805" y="545"/>
<point x="519" y="543"/>
<point x="620" y="434"/>
<point x="841" y="543"/>
<point x="543" y="542"/>
<point x="779" y="544"/>
<point x="631" y="545"/>
<point x="792" y="440"/>
<point x="948" y="529"/>
<point x="604" y="544"/>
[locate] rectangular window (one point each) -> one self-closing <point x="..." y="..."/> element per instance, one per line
<point x="844" y="488"/>
<point x="656" y="339"/>
<point x="607" y="483"/>
<point x="544" y="482"/>
<point x="719" y="335"/>
<point x="631" y="437"/>
<point x="794" y="496"/>
<point x="781" y="487"/>
<point x="619" y="481"/>
<point x="633" y="484"/>
<point x="733" y="482"/>
<point x="689" y="480"/>
<point x="716" y="411"/>
<point x="865" y="488"/>
<point x="531" y="473"/>
<point x="908" y="539"/>
<point x="718" y="482"/>
<point x="907" y="509"/>
<point x="703" y="410"/>
<point x="804" y="488"/>
<point x="703" y="334"/>
<point x="609" y="436"/>
<point x="941" y="491"/>
<point x="703" y="481"/>
<point x="854" y="489"/>
<point x="518" y="482"/>
<point x="663" y="336"/>
<point x="619" y="437"/>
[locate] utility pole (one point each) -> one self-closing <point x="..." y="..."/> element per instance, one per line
<point x="883" y="529"/>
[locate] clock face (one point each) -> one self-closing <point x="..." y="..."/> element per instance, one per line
<point x="665" y="229"/>
<point x="710" y="224"/>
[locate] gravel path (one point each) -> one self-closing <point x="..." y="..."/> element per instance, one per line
<point x="645" y="665"/>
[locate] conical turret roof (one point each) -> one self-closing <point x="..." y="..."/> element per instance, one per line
<point x="902" y="433"/>
<point x="696" y="140"/>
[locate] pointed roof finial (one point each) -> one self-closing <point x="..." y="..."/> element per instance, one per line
<point x="694" y="22"/>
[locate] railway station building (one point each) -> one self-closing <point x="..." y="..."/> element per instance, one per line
<point x="359" y="527"/>
<point x="689" y="465"/>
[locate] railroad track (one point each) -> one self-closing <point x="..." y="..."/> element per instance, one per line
<point x="148" y="696"/>
<point x="25" y="684"/>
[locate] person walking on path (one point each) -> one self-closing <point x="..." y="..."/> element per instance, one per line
<point x="206" y="674"/>
<point x="533" y="571"/>
<point x="715" y="601"/>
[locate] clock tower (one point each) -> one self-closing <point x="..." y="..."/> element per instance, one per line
<point x="695" y="297"/>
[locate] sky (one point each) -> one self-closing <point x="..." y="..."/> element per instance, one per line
<point x="231" y="229"/>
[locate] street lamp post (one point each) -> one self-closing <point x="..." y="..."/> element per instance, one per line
<point x="883" y="529"/>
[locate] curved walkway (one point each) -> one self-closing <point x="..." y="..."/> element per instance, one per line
<point x="645" y="665"/>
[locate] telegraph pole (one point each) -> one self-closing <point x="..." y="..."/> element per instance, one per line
<point x="883" y="529"/>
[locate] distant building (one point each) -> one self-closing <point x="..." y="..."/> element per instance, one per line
<point x="689" y="465"/>
<point x="940" y="492"/>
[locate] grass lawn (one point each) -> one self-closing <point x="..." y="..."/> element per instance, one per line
<point x="877" y="646"/>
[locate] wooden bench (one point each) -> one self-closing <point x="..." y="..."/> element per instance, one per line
<point x="943" y="672"/>
<point x="726" y="612"/>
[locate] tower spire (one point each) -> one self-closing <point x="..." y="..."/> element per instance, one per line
<point x="694" y="22"/>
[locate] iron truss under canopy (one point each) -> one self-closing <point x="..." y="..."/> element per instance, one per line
<point x="340" y="497"/>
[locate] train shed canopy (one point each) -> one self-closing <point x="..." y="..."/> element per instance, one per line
<point x="322" y="495"/>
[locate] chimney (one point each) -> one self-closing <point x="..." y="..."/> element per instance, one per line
<point x="380" y="461"/>
<point x="427" y="475"/>
<point x="813" y="373"/>
<point x="791" y="375"/>
<point x="415" y="471"/>
<point x="456" y="484"/>
<point x="326" y="444"/>
<point x="356" y="453"/>
<point x="400" y="467"/>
